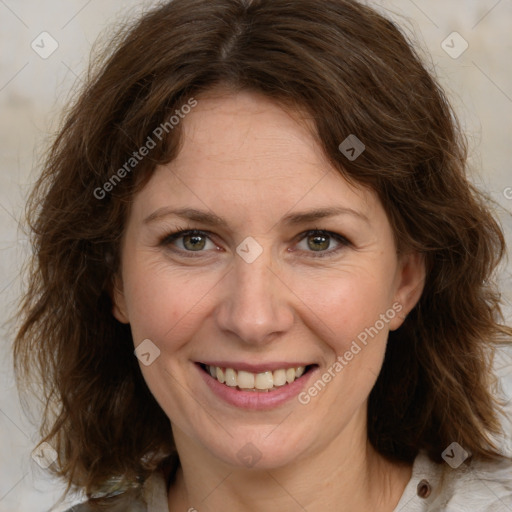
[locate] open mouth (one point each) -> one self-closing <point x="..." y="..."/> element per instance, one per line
<point x="259" y="382"/>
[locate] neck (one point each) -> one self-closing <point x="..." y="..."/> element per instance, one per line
<point x="348" y="475"/>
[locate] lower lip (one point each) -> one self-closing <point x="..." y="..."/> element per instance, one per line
<point x="256" y="400"/>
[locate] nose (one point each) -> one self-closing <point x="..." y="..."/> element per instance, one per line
<point x="255" y="303"/>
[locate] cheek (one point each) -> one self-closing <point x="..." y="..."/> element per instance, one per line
<point x="357" y="338"/>
<point x="162" y="303"/>
<point x="344" y="306"/>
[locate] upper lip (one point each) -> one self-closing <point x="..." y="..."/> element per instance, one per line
<point x="254" y="368"/>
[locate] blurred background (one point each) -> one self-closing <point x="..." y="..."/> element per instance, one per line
<point x="45" y="48"/>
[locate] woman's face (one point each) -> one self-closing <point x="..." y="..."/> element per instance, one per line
<point x="284" y="265"/>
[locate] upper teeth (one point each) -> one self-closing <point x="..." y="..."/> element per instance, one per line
<point x="262" y="381"/>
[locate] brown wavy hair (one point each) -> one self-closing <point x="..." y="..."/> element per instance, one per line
<point x="354" y="72"/>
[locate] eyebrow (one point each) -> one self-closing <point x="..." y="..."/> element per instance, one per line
<point x="213" y="220"/>
<point x="204" y="217"/>
<point x="322" y="213"/>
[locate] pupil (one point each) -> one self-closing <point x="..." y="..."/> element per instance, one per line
<point x="194" y="242"/>
<point x="318" y="242"/>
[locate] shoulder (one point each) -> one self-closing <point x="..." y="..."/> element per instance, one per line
<point x="122" y="503"/>
<point x="479" y="486"/>
<point x="151" y="498"/>
<point x="476" y="485"/>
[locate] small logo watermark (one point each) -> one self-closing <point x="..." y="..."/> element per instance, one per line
<point x="455" y="455"/>
<point x="147" y="352"/>
<point x="352" y="147"/>
<point x="44" y="45"/>
<point x="508" y="193"/>
<point x="249" y="455"/>
<point x="454" y="45"/>
<point x="249" y="250"/>
<point x="44" y="455"/>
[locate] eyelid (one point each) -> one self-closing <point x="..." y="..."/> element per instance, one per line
<point x="167" y="240"/>
<point x="170" y="237"/>
<point x="342" y="240"/>
<point x="320" y="231"/>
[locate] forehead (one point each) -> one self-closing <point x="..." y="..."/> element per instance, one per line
<point x="234" y="130"/>
<point x="244" y="149"/>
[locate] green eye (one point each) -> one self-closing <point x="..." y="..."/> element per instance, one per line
<point x="319" y="242"/>
<point x="188" y="241"/>
<point x="194" y="242"/>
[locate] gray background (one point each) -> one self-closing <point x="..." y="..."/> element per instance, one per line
<point x="33" y="91"/>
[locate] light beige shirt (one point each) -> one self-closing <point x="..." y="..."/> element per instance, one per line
<point x="475" y="487"/>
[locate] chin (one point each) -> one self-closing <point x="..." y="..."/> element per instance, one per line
<point x="259" y="449"/>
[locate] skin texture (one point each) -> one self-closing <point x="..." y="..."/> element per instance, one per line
<point x="250" y="162"/>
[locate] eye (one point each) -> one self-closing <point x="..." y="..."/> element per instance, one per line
<point x="319" y="241"/>
<point x="189" y="241"/>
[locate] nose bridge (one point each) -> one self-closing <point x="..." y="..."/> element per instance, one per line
<point x="256" y="303"/>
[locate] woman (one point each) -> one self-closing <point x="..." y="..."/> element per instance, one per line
<point x="268" y="201"/>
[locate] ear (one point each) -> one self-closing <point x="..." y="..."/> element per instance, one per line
<point x="410" y="284"/>
<point x="118" y="300"/>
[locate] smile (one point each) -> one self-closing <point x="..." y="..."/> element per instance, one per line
<point x="255" y="387"/>
<point x="262" y="381"/>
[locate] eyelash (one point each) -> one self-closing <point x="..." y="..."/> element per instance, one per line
<point x="344" y="242"/>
